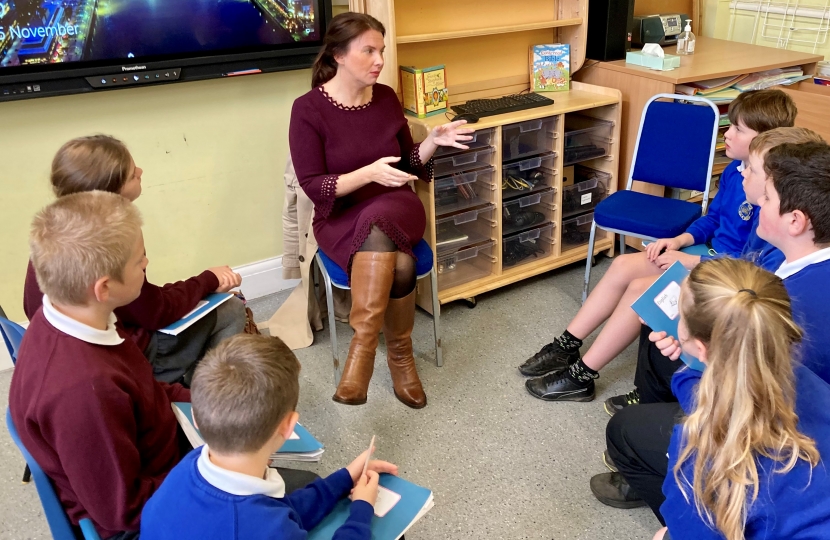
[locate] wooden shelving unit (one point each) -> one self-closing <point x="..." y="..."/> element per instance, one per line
<point x="484" y="45"/>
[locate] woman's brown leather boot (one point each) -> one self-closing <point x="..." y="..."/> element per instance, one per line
<point x="372" y="276"/>
<point x="397" y="329"/>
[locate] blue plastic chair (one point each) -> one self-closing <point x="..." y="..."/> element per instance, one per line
<point x="675" y="148"/>
<point x="12" y="336"/>
<point x="334" y="276"/>
<point x="55" y="515"/>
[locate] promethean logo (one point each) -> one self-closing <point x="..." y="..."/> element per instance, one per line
<point x="133" y="68"/>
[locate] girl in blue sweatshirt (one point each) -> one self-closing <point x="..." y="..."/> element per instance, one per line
<point x="747" y="460"/>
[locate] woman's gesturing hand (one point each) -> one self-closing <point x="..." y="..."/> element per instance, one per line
<point x="452" y="134"/>
<point x="383" y="173"/>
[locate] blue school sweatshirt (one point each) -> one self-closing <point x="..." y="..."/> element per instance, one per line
<point x="756" y="250"/>
<point x="790" y="506"/>
<point x="809" y="291"/>
<point x="728" y="222"/>
<point x="188" y="507"/>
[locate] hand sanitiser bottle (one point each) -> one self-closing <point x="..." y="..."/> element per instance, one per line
<point x="686" y="40"/>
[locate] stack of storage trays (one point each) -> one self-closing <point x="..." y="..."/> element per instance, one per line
<point x="584" y="186"/>
<point x="465" y="193"/>
<point x="528" y="192"/>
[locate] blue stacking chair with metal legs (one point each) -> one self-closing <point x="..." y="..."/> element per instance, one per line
<point x="12" y="336"/>
<point x="675" y="148"/>
<point x="55" y="515"/>
<point x="334" y="276"/>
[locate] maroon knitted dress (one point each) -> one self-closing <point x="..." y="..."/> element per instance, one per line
<point x="327" y="140"/>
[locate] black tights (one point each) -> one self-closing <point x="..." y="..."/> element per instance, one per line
<point x="404" y="264"/>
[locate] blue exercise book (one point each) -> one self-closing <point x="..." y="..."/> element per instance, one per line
<point x="302" y="446"/>
<point x="400" y="504"/>
<point x="205" y="306"/>
<point x="697" y="249"/>
<point x="659" y="307"/>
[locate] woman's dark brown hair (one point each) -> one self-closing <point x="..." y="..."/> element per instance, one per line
<point x="343" y="29"/>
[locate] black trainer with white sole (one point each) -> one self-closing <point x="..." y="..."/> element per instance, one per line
<point x="551" y="358"/>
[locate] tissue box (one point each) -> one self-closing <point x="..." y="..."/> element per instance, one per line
<point x="670" y="61"/>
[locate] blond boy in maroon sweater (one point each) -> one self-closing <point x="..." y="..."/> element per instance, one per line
<point x="83" y="396"/>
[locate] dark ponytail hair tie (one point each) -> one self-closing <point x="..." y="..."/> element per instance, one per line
<point x="750" y="291"/>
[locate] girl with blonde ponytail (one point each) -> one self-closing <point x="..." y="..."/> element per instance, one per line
<point x="746" y="461"/>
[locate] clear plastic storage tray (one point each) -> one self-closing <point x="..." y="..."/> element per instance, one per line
<point x="576" y="231"/>
<point x="529" y="138"/>
<point x="528" y="211"/>
<point x="465" y="161"/>
<point x="590" y="188"/>
<point x="528" y="246"/>
<point x="586" y="138"/>
<point x="527" y="176"/>
<point x="480" y="139"/>
<point x="464" y="190"/>
<point x="457" y="231"/>
<point x="465" y="265"/>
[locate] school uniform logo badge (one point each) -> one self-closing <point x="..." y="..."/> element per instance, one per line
<point x="745" y="210"/>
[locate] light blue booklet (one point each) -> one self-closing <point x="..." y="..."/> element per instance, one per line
<point x="399" y="505"/>
<point x="659" y="307"/>
<point x="302" y="446"/>
<point x="205" y="306"/>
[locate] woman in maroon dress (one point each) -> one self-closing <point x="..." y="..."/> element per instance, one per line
<point x="354" y="156"/>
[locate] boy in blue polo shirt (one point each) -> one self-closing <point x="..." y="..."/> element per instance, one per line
<point x="561" y="374"/>
<point x="245" y="392"/>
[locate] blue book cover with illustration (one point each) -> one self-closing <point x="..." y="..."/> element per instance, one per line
<point x="659" y="307"/>
<point x="550" y="68"/>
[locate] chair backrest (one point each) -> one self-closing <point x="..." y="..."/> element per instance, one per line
<point x="55" y="514"/>
<point x="12" y="336"/>
<point x="676" y="143"/>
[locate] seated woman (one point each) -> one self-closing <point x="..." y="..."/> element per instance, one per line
<point x="354" y="156"/>
<point x="746" y="461"/>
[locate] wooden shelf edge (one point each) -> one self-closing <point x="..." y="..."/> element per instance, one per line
<point x="494" y="30"/>
<point x="493" y="282"/>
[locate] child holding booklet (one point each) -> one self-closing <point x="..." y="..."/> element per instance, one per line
<point x="561" y="373"/>
<point x="83" y="396"/>
<point x="245" y="392"/>
<point x="103" y="163"/>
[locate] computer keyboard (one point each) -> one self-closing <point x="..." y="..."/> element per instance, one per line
<point x="506" y="104"/>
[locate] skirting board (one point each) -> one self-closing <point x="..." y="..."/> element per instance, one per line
<point x="258" y="279"/>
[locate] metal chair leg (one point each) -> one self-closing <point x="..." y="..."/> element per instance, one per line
<point x="622" y="244"/>
<point x="588" y="265"/>
<point x="27" y="474"/>
<point x="436" y="315"/>
<point x="332" y="326"/>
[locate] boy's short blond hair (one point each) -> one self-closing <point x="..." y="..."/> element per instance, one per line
<point x="763" y="110"/>
<point x="242" y="390"/>
<point x="792" y="135"/>
<point x="81" y="238"/>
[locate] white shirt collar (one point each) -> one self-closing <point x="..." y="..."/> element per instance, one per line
<point x="788" y="269"/>
<point x="741" y="167"/>
<point x="79" y="330"/>
<point x="237" y="483"/>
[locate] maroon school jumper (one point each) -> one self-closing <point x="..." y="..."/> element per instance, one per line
<point x="155" y="308"/>
<point x="327" y="140"/>
<point x="96" y="421"/>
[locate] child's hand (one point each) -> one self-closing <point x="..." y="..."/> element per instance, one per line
<point x="667" y="345"/>
<point x="654" y="249"/>
<point x="355" y="468"/>
<point x="228" y="279"/>
<point x="366" y="488"/>
<point x="670" y="257"/>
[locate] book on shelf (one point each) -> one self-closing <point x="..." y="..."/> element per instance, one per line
<point x="659" y="306"/>
<point x="301" y="446"/>
<point x="205" y="306"/>
<point x="550" y="68"/>
<point x="424" y="91"/>
<point x="400" y="504"/>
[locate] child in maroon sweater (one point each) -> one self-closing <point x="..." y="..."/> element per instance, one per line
<point x="104" y="163"/>
<point x="83" y="396"/>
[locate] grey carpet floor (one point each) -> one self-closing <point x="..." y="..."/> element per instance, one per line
<point x="501" y="464"/>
